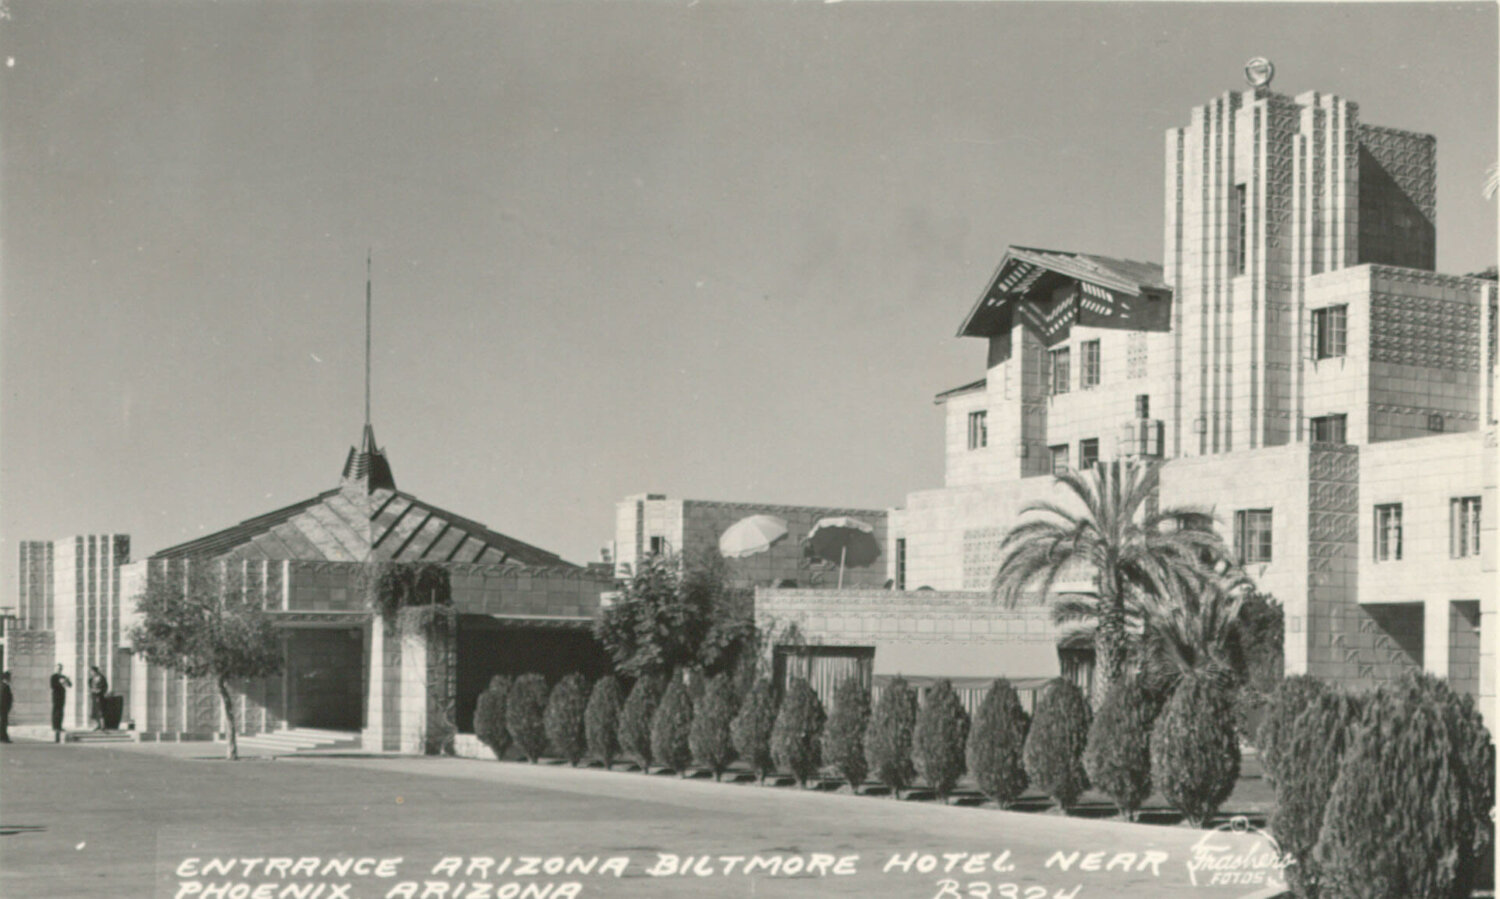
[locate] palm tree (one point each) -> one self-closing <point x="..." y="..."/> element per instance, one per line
<point x="1197" y="630"/>
<point x="1134" y="551"/>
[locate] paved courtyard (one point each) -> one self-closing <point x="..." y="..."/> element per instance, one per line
<point x="108" y="821"/>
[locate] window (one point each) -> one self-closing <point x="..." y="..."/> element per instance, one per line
<point x="1463" y="527"/>
<point x="1435" y="423"/>
<point x="900" y="563"/>
<point x="1252" y="535"/>
<point x="1059" y="458"/>
<point x="1057" y="375"/>
<point x="979" y="434"/>
<point x="1090" y="370"/>
<point x="1388" y="532"/>
<point x="1328" y="429"/>
<point x="1088" y="452"/>
<point x="1239" y="229"/>
<point x="1329" y="331"/>
<point x="658" y="544"/>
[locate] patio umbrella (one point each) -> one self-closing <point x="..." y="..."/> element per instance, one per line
<point x="752" y="535"/>
<point x="848" y="540"/>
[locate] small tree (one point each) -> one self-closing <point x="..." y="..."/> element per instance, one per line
<point x="1404" y="815"/>
<point x="1315" y="747"/>
<point x="202" y="624"/>
<point x="939" y="738"/>
<point x="601" y="720"/>
<point x="564" y="718"/>
<point x="796" y="736"/>
<point x="635" y="720"/>
<point x="489" y="716"/>
<point x="751" y="729"/>
<point x="1289" y="699"/>
<point x="888" y="739"/>
<point x="525" y="715"/>
<point x="1195" y="757"/>
<point x="670" y="725"/>
<point x="844" y="743"/>
<point x="996" y="745"/>
<point x="1054" y="746"/>
<point x="708" y="738"/>
<point x="1118" y="757"/>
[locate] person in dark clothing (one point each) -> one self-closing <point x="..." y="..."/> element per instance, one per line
<point x="6" y="700"/>
<point x="98" y="686"/>
<point x="60" y="684"/>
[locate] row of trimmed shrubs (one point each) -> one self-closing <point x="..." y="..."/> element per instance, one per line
<point x="1384" y="795"/>
<point x="1059" y="751"/>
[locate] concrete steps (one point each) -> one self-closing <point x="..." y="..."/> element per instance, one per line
<point x="300" y="739"/>
<point x="117" y="736"/>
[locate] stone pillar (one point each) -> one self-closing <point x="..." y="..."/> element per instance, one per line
<point x="428" y="688"/>
<point x="1435" y="633"/>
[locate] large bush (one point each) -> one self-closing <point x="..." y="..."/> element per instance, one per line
<point x="635" y="720"/>
<point x="796" y="736"/>
<point x="1404" y="818"/>
<point x="1195" y="755"/>
<point x="1118" y="757"/>
<point x="1290" y="699"/>
<point x="996" y="744"/>
<point x="751" y="729"/>
<point x="708" y="738"/>
<point x="888" y="738"/>
<point x="564" y="718"/>
<point x="670" y="725"/>
<point x="939" y="738"/>
<point x="1314" y="746"/>
<point x="601" y="721"/>
<point x="1055" y="744"/>
<point x="844" y="742"/>
<point x="489" y="716"/>
<point x="525" y="712"/>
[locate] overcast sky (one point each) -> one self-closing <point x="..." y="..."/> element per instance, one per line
<point x="715" y="250"/>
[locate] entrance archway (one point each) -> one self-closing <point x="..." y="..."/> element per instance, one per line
<point x="325" y="678"/>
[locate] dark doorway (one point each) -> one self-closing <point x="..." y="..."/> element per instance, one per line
<point x="324" y="675"/>
<point x="487" y="647"/>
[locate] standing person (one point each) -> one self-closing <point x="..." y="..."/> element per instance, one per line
<point x="98" y="686"/>
<point x="6" y="699"/>
<point x="60" y="684"/>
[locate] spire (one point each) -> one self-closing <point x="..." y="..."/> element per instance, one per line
<point x="366" y="469"/>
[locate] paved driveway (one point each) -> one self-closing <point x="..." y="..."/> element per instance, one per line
<point x="97" y="821"/>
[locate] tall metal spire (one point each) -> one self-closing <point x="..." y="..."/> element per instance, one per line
<point x="368" y="255"/>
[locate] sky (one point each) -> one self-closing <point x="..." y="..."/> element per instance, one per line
<point x="717" y="250"/>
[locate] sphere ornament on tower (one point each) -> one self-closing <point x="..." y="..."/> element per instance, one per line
<point x="1259" y="72"/>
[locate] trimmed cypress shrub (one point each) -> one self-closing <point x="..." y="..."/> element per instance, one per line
<point x="564" y="718"/>
<point x="751" y="729"/>
<point x="601" y="720"/>
<point x="1288" y="700"/>
<point x="996" y="744"/>
<point x="796" y="736"/>
<point x="888" y="738"/>
<point x="708" y="738"/>
<point x="939" y="738"/>
<point x="1402" y="817"/>
<point x="844" y="741"/>
<point x="1056" y="740"/>
<point x="1118" y="757"/>
<point x="489" y="716"/>
<point x="635" y="719"/>
<point x="670" y="725"/>
<point x="525" y="711"/>
<point x="1054" y="745"/>
<point x="1195" y="756"/>
<point x="1315" y="746"/>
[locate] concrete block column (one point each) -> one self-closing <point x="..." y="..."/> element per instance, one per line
<point x="428" y="689"/>
<point x="1435" y="637"/>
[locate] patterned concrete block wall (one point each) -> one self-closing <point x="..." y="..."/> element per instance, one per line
<point x="86" y="611"/>
<point x="1463" y="647"/>
<point x="949" y="634"/>
<point x="1397" y="197"/>
<point x="695" y="526"/>
<point x="34" y="578"/>
<point x="30" y="657"/>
